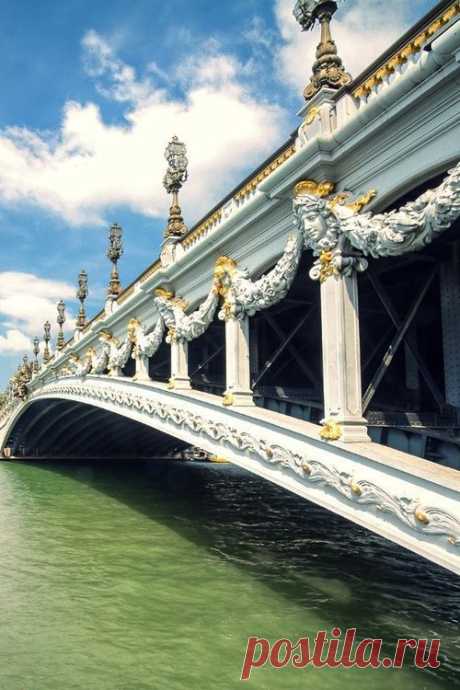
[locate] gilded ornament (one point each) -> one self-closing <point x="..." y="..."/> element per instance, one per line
<point x="228" y="400"/>
<point x="311" y="116"/>
<point x="356" y="489"/>
<point x="362" y="201"/>
<point x="327" y="268"/>
<point x="421" y="516"/>
<point x="352" y="236"/>
<point x="164" y="293"/>
<point x="312" y="188"/>
<point x="224" y="266"/>
<point x="171" y="384"/>
<point x="328" y="69"/>
<point x="251" y="186"/>
<point x="133" y="326"/>
<point x="331" y="431"/>
<point x="401" y="57"/>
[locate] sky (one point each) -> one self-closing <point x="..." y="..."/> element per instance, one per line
<point x="91" y="93"/>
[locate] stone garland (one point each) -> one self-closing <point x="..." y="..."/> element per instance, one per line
<point x="182" y="326"/>
<point x="341" y="236"/>
<point x="243" y="296"/>
<point x="148" y="342"/>
<point x="337" y="233"/>
<point x="424" y="519"/>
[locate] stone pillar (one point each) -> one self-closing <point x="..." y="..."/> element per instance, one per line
<point x="142" y="368"/>
<point x="450" y="306"/>
<point x="180" y="379"/>
<point x="343" y="413"/>
<point x="237" y="373"/>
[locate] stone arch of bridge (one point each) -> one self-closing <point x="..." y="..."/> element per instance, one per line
<point x="65" y="428"/>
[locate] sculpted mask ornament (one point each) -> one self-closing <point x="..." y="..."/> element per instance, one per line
<point x="317" y="216"/>
<point x="133" y="326"/>
<point x="339" y="229"/>
<point x="224" y="271"/>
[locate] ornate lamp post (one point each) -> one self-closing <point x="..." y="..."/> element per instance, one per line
<point x="60" y="321"/>
<point x="176" y="175"/>
<point x="328" y="70"/>
<point x="46" y="338"/>
<point x="26" y="368"/>
<point x="114" y="251"/>
<point x="36" y="366"/>
<point x="82" y="294"/>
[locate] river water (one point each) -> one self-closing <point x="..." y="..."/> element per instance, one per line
<point x="151" y="576"/>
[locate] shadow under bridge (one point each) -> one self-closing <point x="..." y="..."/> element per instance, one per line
<point x="53" y="428"/>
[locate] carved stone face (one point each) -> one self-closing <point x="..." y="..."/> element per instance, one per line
<point x="224" y="271"/>
<point x="309" y="210"/>
<point x="132" y="330"/>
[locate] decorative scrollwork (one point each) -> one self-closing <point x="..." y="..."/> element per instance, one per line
<point x="411" y="512"/>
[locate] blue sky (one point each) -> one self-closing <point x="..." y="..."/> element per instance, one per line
<point x="92" y="92"/>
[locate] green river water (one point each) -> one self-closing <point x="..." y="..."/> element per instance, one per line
<point x="144" y="576"/>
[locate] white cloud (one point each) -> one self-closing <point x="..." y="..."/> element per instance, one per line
<point x="26" y="302"/>
<point x="362" y="30"/>
<point x="90" y="165"/>
<point x="14" y="341"/>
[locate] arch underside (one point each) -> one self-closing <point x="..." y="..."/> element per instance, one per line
<point x="53" y="428"/>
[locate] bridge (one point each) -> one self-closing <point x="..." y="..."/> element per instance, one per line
<point x="307" y="328"/>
